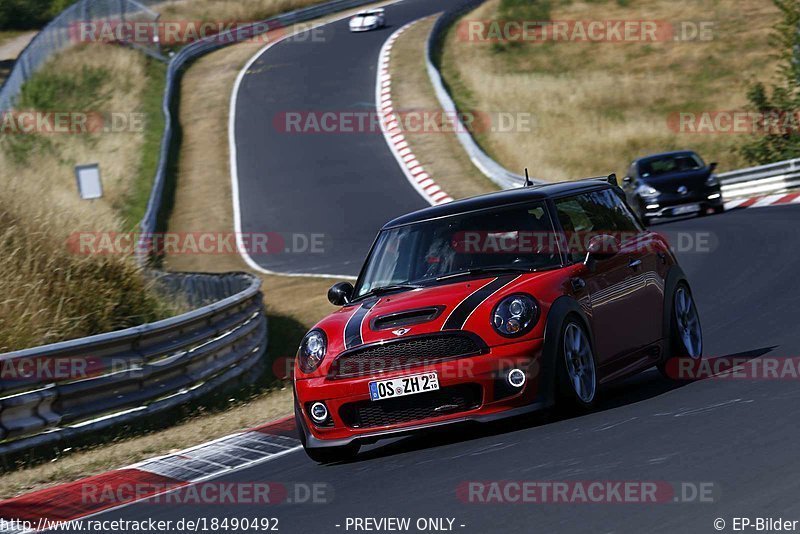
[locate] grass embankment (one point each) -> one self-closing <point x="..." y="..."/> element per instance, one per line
<point x="436" y="148"/>
<point x="202" y="203"/>
<point x="241" y="10"/>
<point x="599" y="105"/>
<point x="50" y="293"/>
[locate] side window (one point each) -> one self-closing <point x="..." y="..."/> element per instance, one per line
<point x="576" y="217"/>
<point x="620" y="220"/>
<point x="600" y="212"/>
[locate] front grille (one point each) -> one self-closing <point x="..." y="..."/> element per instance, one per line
<point x="405" y="353"/>
<point x="449" y="400"/>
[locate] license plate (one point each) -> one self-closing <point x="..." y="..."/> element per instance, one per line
<point x="689" y="208"/>
<point x="402" y="386"/>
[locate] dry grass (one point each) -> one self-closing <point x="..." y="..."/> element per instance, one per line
<point x="598" y="106"/>
<point x="203" y="202"/>
<point x="88" y="79"/>
<point x="97" y="460"/>
<point x="228" y="10"/>
<point x="438" y="151"/>
<point x="49" y="293"/>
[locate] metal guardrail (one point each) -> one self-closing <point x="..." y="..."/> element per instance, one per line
<point x="141" y="371"/>
<point x="150" y="221"/>
<point x="488" y="166"/>
<point x="762" y="180"/>
<point x="61" y="32"/>
<point x="120" y="376"/>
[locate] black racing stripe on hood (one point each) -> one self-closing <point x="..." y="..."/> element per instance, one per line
<point x="458" y="317"/>
<point x="352" y="330"/>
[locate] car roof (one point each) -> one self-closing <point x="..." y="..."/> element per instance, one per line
<point x="500" y="199"/>
<point x="662" y="154"/>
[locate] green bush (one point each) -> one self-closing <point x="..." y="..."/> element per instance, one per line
<point x="781" y="102"/>
<point x="28" y="14"/>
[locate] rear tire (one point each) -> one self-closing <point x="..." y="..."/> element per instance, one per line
<point x="576" y="373"/>
<point x="685" y="336"/>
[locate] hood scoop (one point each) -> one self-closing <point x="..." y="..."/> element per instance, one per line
<point x="406" y="318"/>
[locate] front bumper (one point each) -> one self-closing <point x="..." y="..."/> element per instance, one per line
<point x="356" y="29"/>
<point x="484" y="373"/>
<point x="666" y="205"/>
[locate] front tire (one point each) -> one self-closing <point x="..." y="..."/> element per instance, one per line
<point x="577" y="369"/>
<point x="685" y="332"/>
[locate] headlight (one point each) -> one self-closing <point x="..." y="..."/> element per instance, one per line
<point x="648" y="191"/>
<point x="515" y="315"/>
<point x="312" y="350"/>
<point x="712" y="180"/>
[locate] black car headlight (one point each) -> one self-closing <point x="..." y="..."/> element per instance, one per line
<point x="515" y="315"/>
<point x="312" y="350"/>
<point x="648" y="191"/>
<point x="712" y="180"/>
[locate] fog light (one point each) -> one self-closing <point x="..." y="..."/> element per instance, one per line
<point x="319" y="412"/>
<point x="712" y="197"/>
<point x="516" y="377"/>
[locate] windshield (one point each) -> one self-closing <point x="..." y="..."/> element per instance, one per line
<point x="670" y="164"/>
<point x="513" y="238"/>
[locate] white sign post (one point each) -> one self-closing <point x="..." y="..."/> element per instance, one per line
<point x="89" y="184"/>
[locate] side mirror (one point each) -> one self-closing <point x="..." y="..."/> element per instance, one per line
<point x="339" y="294"/>
<point x="712" y="165"/>
<point x="600" y="247"/>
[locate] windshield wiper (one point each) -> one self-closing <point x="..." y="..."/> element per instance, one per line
<point x="486" y="270"/>
<point x="387" y="289"/>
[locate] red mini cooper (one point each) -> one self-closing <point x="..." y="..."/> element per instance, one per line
<point x="490" y="307"/>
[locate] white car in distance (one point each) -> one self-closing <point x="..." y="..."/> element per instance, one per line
<point x="368" y="19"/>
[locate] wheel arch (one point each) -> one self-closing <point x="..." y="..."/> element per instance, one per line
<point x="563" y="308"/>
<point x="675" y="276"/>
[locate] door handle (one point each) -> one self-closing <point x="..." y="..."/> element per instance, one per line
<point x="633" y="264"/>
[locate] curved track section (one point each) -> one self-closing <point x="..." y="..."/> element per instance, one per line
<point x="325" y="194"/>
<point x="734" y="434"/>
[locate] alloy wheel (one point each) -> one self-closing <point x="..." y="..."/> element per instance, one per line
<point x="580" y="363"/>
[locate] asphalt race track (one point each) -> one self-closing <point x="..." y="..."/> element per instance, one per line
<point x="738" y="436"/>
<point x="336" y="189"/>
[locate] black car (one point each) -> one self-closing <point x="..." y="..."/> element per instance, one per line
<point x="672" y="184"/>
